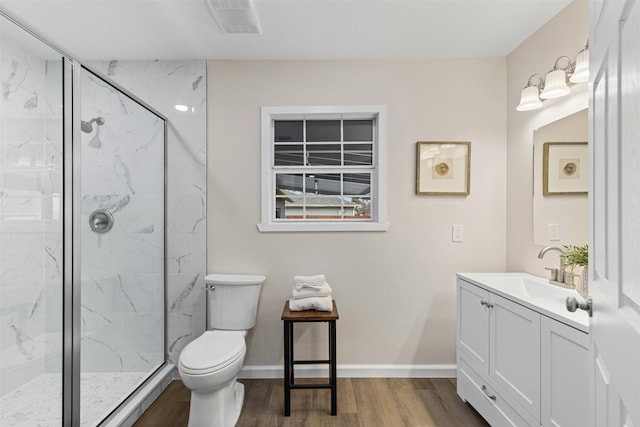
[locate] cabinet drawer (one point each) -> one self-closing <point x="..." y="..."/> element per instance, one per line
<point x="498" y="412"/>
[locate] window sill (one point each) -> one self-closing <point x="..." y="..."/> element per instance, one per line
<point x="321" y="226"/>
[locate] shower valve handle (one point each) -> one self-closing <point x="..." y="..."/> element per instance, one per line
<point x="101" y="221"/>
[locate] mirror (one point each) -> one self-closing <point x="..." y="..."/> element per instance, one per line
<point x="561" y="216"/>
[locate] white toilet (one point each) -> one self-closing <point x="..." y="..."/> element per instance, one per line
<point x="209" y="365"/>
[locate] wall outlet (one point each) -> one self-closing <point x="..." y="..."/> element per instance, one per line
<point x="554" y="232"/>
<point x="457" y="233"/>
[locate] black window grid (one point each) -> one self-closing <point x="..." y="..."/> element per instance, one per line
<point x="300" y="198"/>
<point x="348" y="157"/>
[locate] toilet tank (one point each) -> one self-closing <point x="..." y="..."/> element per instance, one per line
<point x="232" y="300"/>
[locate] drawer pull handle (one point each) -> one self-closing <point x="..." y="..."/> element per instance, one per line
<point x="487" y="303"/>
<point x="486" y="392"/>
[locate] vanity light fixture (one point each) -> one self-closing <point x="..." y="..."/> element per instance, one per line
<point x="557" y="83"/>
<point x="530" y="96"/>
<point x="581" y="67"/>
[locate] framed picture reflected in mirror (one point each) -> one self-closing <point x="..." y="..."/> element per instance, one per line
<point x="565" y="168"/>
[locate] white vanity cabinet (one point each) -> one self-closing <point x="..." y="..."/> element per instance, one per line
<point x="516" y="366"/>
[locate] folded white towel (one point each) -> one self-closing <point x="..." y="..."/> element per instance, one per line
<point x="318" y="278"/>
<point x="306" y="290"/>
<point x="312" y="303"/>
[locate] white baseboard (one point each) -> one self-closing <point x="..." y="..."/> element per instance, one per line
<point x="353" y="371"/>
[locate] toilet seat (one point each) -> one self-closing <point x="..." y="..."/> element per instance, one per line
<point x="211" y="352"/>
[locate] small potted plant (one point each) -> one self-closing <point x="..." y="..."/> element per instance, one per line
<point x="578" y="256"/>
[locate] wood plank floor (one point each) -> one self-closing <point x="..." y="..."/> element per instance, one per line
<point x="363" y="402"/>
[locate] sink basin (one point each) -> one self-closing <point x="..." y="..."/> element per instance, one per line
<point x="533" y="288"/>
<point x="525" y="285"/>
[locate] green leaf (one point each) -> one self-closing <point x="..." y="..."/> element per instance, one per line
<point x="575" y="256"/>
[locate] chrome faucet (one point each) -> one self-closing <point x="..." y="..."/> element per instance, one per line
<point x="557" y="274"/>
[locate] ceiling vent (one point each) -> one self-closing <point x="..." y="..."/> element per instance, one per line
<point x="235" y="16"/>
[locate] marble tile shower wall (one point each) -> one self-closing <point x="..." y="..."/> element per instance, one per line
<point x="30" y="218"/>
<point x="165" y="84"/>
<point x="122" y="168"/>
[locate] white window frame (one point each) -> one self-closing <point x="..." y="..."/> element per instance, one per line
<point x="378" y="220"/>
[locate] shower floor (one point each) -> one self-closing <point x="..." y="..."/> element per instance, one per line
<point x="39" y="402"/>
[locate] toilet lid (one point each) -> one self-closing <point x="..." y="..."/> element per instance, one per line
<point x="212" y="350"/>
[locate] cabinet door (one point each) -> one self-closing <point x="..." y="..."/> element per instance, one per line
<point x="473" y="325"/>
<point x="515" y="352"/>
<point x="565" y="373"/>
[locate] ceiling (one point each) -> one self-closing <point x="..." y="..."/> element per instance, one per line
<point x="292" y="29"/>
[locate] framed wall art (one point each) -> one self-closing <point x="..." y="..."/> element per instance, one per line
<point x="443" y="168"/>
<point x="565" y="168"/>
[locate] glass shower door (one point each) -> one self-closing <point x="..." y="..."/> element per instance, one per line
<point x="31" y="230"/>
<point x="122" y="246"/>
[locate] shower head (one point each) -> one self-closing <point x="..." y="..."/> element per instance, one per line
<point x="87" y="127"/>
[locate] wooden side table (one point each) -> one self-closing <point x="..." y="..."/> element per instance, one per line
<point x="290" y="317"/>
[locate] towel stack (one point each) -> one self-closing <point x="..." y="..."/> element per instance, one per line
<point x="311" y="293"/>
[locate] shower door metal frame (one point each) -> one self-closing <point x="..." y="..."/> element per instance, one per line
<point x="73" y="288"/>
<point x="71" y="246"/>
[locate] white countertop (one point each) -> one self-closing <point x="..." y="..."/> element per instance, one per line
<point x="532" y="292"/>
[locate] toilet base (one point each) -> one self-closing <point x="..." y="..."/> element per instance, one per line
<point x="218" y="408"/>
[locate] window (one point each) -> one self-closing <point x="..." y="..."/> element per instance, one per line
<point x="323" y="168"/>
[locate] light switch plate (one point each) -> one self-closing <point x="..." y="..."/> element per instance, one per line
<point x="554" y="232"/>
<point x="457" y="233"/>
